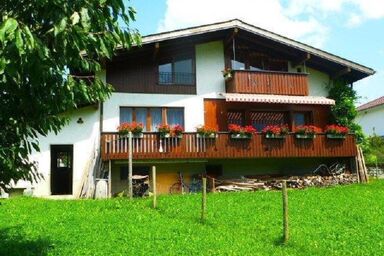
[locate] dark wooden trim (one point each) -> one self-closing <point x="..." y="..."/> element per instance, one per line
<point x="301" y="60"/>
<point x="341" y="73"/>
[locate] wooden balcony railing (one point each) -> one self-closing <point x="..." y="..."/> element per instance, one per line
<point x="192" y="147"/>
<point x="268" y="82"/>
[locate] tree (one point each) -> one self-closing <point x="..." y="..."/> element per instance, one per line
<point x="40" y="41"/>
<point x="344" y="111"/>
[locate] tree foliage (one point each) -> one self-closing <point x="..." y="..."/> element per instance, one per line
<point x="344" y="111"/>
<point x="40" y="41"/>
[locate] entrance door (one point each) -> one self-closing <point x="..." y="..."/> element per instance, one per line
<point x="61" y="169"/>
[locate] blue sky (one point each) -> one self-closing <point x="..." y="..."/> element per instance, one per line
<point x="353" y="29"/>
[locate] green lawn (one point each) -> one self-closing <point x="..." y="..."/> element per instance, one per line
<point x="346" y="220"/>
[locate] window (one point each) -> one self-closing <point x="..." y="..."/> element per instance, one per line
<point x="235" y="117"/>
<point x="151" y="118"/>
<point x="156" y="117"/>
<point x="175" y="116"/>
<point x="261" y="119"/>
<point x="301" y="118"/>
<point x="178" y="70"/>
<point x="237" y="65"/>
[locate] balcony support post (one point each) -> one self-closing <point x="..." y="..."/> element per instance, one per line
<point x="130" y="188"/>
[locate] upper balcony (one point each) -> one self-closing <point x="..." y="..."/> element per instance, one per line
<point x="268" y="82"/>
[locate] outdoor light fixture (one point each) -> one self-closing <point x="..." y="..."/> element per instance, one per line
<point x="80" y="120"/>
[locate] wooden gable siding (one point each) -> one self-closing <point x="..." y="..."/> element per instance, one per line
<point x="137" y="72"/>
<point x="215" y="111"/>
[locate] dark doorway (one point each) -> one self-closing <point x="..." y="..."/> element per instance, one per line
<point x="61" y="169"/>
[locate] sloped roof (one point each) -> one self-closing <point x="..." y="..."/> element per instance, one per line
<point x="374" y="103"/>
<point x="233" y="24"/>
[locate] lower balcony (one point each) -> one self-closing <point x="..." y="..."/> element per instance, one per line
<point x="191" y="146"/>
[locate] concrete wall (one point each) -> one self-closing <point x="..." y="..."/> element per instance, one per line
<point x="371" y="120"/>
<point x="84" y="138"/>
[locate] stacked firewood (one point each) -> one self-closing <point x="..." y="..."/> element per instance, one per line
<point x="245" y="184"/>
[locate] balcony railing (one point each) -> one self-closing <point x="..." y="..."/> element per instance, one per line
<point x="180" y="78"/>
<point x="268" y="82"/>
<point x="190" y="146"/>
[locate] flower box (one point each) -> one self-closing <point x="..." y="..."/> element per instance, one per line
<point x="274" y="136"/>
<point x="238" y="136"/>
<point x="207" y="136"/>
<point x="335" y="136"/>
<point x="305" y="136"/>
<point x="335" y="131"/>
<point x="168" y="135"/>
<point x="165" y="135"/>
<point x="138" y="135"/>
<point x="275" y="131"/>
<point x="134" y="127"/>
<point x="206" y="132"/>
<point x="134" y="135"/>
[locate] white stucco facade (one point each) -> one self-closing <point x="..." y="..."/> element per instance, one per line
<point x="85" y="140"/>
<point x="371" y="120"/>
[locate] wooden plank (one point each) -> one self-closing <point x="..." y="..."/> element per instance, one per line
<point x="268" y="82"/>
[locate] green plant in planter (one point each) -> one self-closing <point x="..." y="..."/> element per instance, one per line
<point x="275" y="131"/>
<point x="134" y="127"/>
<point x="335" y="131"/>
<point x="306" y="131"/>
<point x="204" y="131"/>
<point x="239" y="132"/>
<point x="164" y="131"/>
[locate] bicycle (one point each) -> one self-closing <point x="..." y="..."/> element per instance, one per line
<point x="332" y="170"/>
<point x="195" y="186"/>
<point x="179" y="187"/>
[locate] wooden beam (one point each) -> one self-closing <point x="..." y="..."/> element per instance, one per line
<point x="229" y="39"/>
<point x="156" y="51"/>
<point x="300" y="61"/>
<point x="341" y="73"/>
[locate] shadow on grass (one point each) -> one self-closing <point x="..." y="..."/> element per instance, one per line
<point x="13" y="242"/>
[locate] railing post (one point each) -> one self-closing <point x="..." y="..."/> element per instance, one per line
<point x="285" y="211"/>
<point x="204" y="200"/>
<point x="130" y="188"/>
<point x="154" y="187"/>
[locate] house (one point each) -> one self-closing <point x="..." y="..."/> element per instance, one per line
<point x="176" y="78"/>
<point x="370" y="116"/>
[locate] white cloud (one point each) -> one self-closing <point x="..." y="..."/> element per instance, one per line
<point x="354" y="20"/>
<point x="265" y="14"/>
<point x="361" y="9"/>
<point x="304" y="20"/>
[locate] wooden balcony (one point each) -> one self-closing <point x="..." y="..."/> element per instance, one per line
<point x="268" y="82"/>
<point x="192" y="147"/>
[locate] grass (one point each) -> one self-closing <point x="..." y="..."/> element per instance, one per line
<point x="346" y="220"/>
